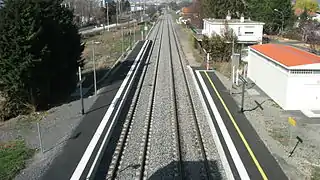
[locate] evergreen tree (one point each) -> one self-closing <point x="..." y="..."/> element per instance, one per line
<point x="40" y="51"/>
<point x="219" y="8"/>
<point x="111" y="10"/>
<point x="127" y="6"/>
<point x="272" y="12"/>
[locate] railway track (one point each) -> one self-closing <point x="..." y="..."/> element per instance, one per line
<point x="120" y="156"/>
<point x="186" y="172"/>
<point x="161" y="134"/>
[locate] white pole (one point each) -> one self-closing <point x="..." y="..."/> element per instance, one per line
<point x="245" y="71"/>
<point x="94" y="71"/>
<point x="108" y="16"/>
<point x="80" y="86"/>
<point x="117" y="14"/>
<point x="140" y="13"/>
<point x="141" y="35"/>
<point x="130" y="43"/>
<point x="134" y="32"/>
<point x="122" y="39"/>
<point x="208" y="57"/>
<point x="144" y="8"/>
<point x="237" y="77"/>
<point x="39" y="136"/>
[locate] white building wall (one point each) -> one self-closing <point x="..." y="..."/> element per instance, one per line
<point x="303" y="92"/>
<point x="244" y="31"/>
<point x="267" y="76"/>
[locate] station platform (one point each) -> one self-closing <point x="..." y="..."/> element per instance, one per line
<point x="246" y="154"/>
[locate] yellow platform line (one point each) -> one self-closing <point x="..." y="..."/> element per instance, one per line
<point x="264" y="176"/>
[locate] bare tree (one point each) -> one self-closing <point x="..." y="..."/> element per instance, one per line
<point x="310" y="31"/>
<point x="86" y="10"/>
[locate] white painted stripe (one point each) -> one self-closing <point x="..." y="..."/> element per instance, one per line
<point x="115" y="117"/>
<point x="87" y="154"/>
<point x="206" y="70"/>
<point x="226" y="136"/>
<point x="150" y="30"/>
<point x="225" y="163"/>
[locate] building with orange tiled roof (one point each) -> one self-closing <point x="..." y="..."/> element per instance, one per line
<point x="299" y="11"/>
<point x="290" y="76"/>
<point x="192" y="12"/>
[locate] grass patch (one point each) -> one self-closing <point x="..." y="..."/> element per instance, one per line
<point x="315" y="173"/>
<point x="13" y="156"/>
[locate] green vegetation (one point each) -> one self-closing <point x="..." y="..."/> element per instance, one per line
<point x="220" y="47"/>
<point x="273" y="13"/>
<point x="315" y="173"/>
<point x="219" y="8"/>
<point x="258" y="10"/>
<point x="40" y="51"/>
<point x="309" y="5"/>
<point x="12" y="158"/>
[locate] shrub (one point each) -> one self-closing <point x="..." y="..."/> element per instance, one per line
<point x="293" y="34"/>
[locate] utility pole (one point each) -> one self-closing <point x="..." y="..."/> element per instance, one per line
<point x="244" y="82"/>
<point x="144" y="8"/>
<point x="134" y="24"/>
<point x="140" y="10"/>
<point x="108" y="16"/>
<point x="232" y="66"/>
<point x="80" y="85"/>
<point x="117" y="15"/>
<point x="134" y="32"/>
<point x="130" y="34"/>
<point x="94" y="69"/>
<point x="144" y="15"/>
<point x="122" y="39"/>
<point x="121" y="27"/>
<point x="103" y="4"/>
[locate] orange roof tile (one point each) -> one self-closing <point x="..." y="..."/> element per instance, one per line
<point x="186" y="10"/>
<point x="287" y="55"/>
<point x="299" y="11"/>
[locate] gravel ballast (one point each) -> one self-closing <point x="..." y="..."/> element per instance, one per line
<point x="161" y="152"/>
<point x="191" y="153"/>
<point x="215" y="164"/>
<point x="133" y="147"/>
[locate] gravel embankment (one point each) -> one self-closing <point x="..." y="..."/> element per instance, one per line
<point x="216" y="168"/>
<point x="161" y="151"/>
<point x="133" y="147"/>
<point x="56" y="128"/>
<point x="272" y="126"/>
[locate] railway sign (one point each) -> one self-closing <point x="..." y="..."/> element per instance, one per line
<point x="292" y="122"/>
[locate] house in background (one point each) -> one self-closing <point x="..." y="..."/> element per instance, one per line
<point x="192" y="12"/>
<point x="299" y="11"/>
<point x="289" y="76"/>
<point x="248" y="32"/>
<point x="317" y="16"/>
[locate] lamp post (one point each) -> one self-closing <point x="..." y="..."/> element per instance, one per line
<point x="94" y="67"/>
<point x="207" y="59"/>
<point x="108" y="16"/>
<point x="117" y="15"/>
<point x="282" y="23"/>
<point x="232" y="66"/>
<point x="122" y="39"/>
